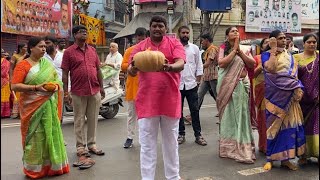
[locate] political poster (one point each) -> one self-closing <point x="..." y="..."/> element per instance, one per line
<point x="309" y="11"/>
<point x="37" y="17"/>
<point x="268" y="15"/>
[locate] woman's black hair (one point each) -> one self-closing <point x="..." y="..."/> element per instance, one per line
<point x="307" y="36"/>
<point x="20" y="46"/>
<point x="261" y="44"/>
<point x="274" y="34"/>
<point x="33" y="43"/>
<point x="227" y="44"/>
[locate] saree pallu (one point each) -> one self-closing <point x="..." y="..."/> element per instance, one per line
<point x="252" y="108"/>
<point x="43" y="145"/>
<point x="259" y="90"/>
<point x="15" y="104"/>
<point x="285" y="133"/>
<point x="16" y="95"/>
<point x="5" y="88"/>
<point x="309" y="76"/>
<point x="236" y="139"/>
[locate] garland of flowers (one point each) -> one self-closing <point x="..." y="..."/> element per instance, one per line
<point x="77" y="6"/>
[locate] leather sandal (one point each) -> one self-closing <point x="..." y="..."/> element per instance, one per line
<point x="289" y="165"/>
<point x="83" y="152"/>
<point x="200" y="140"/>
<point x="85" y="162"/>
<point x="96" y="151"/>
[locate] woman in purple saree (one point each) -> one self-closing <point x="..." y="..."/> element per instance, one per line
<point x="309" y="77"/>
<point x="285" y="133"/>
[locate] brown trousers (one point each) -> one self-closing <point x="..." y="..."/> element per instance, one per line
<point x="86" y="107"/>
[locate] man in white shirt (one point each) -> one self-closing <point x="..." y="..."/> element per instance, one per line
<point x="114" y="59"/>
<point x="55" y="57"/>
<point x="190" y="78"/>
<point x="56" y="6"/>
<point x="53" y="54"/>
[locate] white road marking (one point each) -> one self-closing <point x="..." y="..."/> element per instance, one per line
<point x="205" y="178"/>
<point x="248" y="172"/>
<point x="69" y="117"/>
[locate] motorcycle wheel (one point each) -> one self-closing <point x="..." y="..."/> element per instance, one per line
<point x="112" y="114"/>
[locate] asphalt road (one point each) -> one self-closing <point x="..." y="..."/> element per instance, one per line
<point x="196" y="162"/>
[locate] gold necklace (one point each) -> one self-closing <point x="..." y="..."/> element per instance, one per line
<point x="310" y="70"/>
<point x="32" y="62"/>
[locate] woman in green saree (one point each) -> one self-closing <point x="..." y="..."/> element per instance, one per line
<point x="236" y="139"/>
<point x="44" y="153"/>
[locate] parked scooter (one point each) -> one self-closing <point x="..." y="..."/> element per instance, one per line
<point x="110" y="104"/>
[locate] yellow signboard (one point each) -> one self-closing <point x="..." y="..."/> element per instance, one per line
<point x="95" y="28"/>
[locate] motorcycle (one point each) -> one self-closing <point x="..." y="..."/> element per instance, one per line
<point x="110" y="104"/>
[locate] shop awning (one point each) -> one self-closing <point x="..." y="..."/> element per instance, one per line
<point x="142" y="20"/>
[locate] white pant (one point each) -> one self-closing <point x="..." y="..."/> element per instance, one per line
<point x="131" y="119"/>
<point x="148" y="134"/>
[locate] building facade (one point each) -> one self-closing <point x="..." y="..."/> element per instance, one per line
<point x="235" y="17"/>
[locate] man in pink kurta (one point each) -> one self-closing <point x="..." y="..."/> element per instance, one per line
<point x="158" y="102"/>
<point x="158" y="92"/>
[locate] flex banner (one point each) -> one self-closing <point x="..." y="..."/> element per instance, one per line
<point x="37" y="17"/>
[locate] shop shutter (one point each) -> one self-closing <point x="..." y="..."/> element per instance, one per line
<point x="9" y="42"/>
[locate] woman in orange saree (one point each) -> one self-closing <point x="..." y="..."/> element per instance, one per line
<point x="259" y="89"/>
<point x="44" y="153"/>
<point x="5" y="88"/>
<point x="16" y="58"/>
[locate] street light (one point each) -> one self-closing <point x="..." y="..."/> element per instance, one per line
<point x="170" y="11"/>
<point x="170" y="2"/>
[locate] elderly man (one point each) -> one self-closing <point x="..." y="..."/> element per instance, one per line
<point x="114" y="60"/>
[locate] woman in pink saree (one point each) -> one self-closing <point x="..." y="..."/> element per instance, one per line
<point x="5" y="88"/>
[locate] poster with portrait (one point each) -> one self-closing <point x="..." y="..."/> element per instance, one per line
<point x="37" y="17"/>
<point x="309" y="10"/>
<point x="268" y="15"/>
<point x="95" y="28"/>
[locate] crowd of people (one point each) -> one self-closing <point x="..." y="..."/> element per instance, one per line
<point x="276" y="88"/>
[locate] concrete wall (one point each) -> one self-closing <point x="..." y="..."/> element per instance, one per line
<point x="100" y="6"/>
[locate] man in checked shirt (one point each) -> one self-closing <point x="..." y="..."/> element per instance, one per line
<point x="210" y="68"/>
